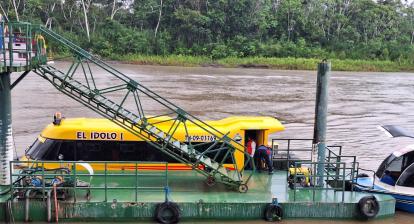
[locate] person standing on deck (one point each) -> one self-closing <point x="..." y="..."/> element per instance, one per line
<point x="263" y="153"/>
<point x="251" y="148"/>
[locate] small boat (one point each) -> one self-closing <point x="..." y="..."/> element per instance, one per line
<point x="395" y="175"/>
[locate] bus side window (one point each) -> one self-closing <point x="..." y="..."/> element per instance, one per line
<point x="91" y="152"/>
<point x="109" y="151"/>
<point x="82" y="151"/>
<point x="128" y="152"/>
<point x="67" y="149"/>
<point x="78" y="150"/>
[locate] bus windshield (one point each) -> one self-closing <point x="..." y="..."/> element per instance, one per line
<point x="39" y="149"/>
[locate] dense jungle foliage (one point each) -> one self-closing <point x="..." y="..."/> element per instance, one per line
<point x="338" y="29"/>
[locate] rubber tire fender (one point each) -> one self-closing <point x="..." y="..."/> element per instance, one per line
<point x="368" y="207"/>
<point x="273" y="213"/>
<point x="169" y="207"/>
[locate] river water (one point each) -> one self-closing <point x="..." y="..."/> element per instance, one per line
<point x="358" y="103"/>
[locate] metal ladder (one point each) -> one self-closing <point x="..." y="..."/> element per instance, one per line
<point x="207" y="158"/>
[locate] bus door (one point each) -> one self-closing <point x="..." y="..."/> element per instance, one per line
<point x="259" y="136"/>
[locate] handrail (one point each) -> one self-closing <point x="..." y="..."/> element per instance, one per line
<point x="373" y="172"/>
<point x="69" y="171"/>
<point x="289" y="150"/>
<point x="334" y="161"/>
<point x="19" y="33"/>
<point x="313" y="176"/>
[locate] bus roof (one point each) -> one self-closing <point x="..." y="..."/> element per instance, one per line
<point x="104" y="129"/>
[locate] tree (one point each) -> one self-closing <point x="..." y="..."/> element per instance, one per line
<point x="85" y="14"/>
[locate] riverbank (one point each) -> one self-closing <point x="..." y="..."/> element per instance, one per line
<point x="270" y="63"/>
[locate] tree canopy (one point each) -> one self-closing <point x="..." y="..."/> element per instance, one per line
<point x="355" y="29"/>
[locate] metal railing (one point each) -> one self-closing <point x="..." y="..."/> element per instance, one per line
<point x="292" y="150"/>
<point x="299" y="153"/>
<point x="74" y="178"/>
<point x="20" y="46"/>
<point x="314" y="187"/>
<point x="374" y="176"/>
<point x="332" y="157"/>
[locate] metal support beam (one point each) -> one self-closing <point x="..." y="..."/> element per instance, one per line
<point x="21" y="77"/>
<point x="6" y="139"/>
<point x="321" y="110"/>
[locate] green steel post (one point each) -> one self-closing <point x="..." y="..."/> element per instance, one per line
<point x="75" y="180"/>
<point x="11" y="182"/>
<point x="314" y="187"/>
<point x="3" y="44"/>
<point x="136" y="181"/>
<point x="6" y="139"/>
<point x="321" y="108"/>
<point x="353" y="174"/>
<point x="166" y="174"/>
<point x="288" y="156"/>
<point x="43" y="181"/>
<point x="105" y="179"/>
<point x="343" y="182"/>
<point x="294" y="182"/>
<point x="11" y="36"/>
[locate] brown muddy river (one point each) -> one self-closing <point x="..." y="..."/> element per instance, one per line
<point x="358" y="104"/>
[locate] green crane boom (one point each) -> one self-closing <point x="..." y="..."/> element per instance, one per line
<point x="110" y="99"/>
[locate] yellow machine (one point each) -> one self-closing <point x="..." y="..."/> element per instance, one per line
<point x="89" y="139"/>
<point x="302" y="174"/>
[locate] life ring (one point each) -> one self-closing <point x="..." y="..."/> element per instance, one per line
<point x="273" y="213"/>
<point x="368" y="207"/>
<point x="167" y="213"/>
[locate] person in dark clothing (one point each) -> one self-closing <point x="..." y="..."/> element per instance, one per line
<point x="263" y="154"/>
<point x="250" y="149"/>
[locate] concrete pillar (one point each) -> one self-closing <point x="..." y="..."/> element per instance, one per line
<point x="321" y="111"/>
<point x="6" y="139"/>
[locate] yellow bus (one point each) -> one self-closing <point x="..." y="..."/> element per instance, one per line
<point x="92" y="139"/>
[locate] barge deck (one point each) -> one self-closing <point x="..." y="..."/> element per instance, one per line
<point x="198" y="201"/>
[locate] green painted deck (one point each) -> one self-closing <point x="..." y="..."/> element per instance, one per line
<point x="198" y="201"/>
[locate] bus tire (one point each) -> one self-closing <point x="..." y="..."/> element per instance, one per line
<point x="167" y="213"/>
<point x="368" y="207"/>
<point x="273" y="213"/>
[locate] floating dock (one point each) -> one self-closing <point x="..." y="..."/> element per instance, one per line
<point x="198" y="201"/>
<point x="132" y="194"/>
